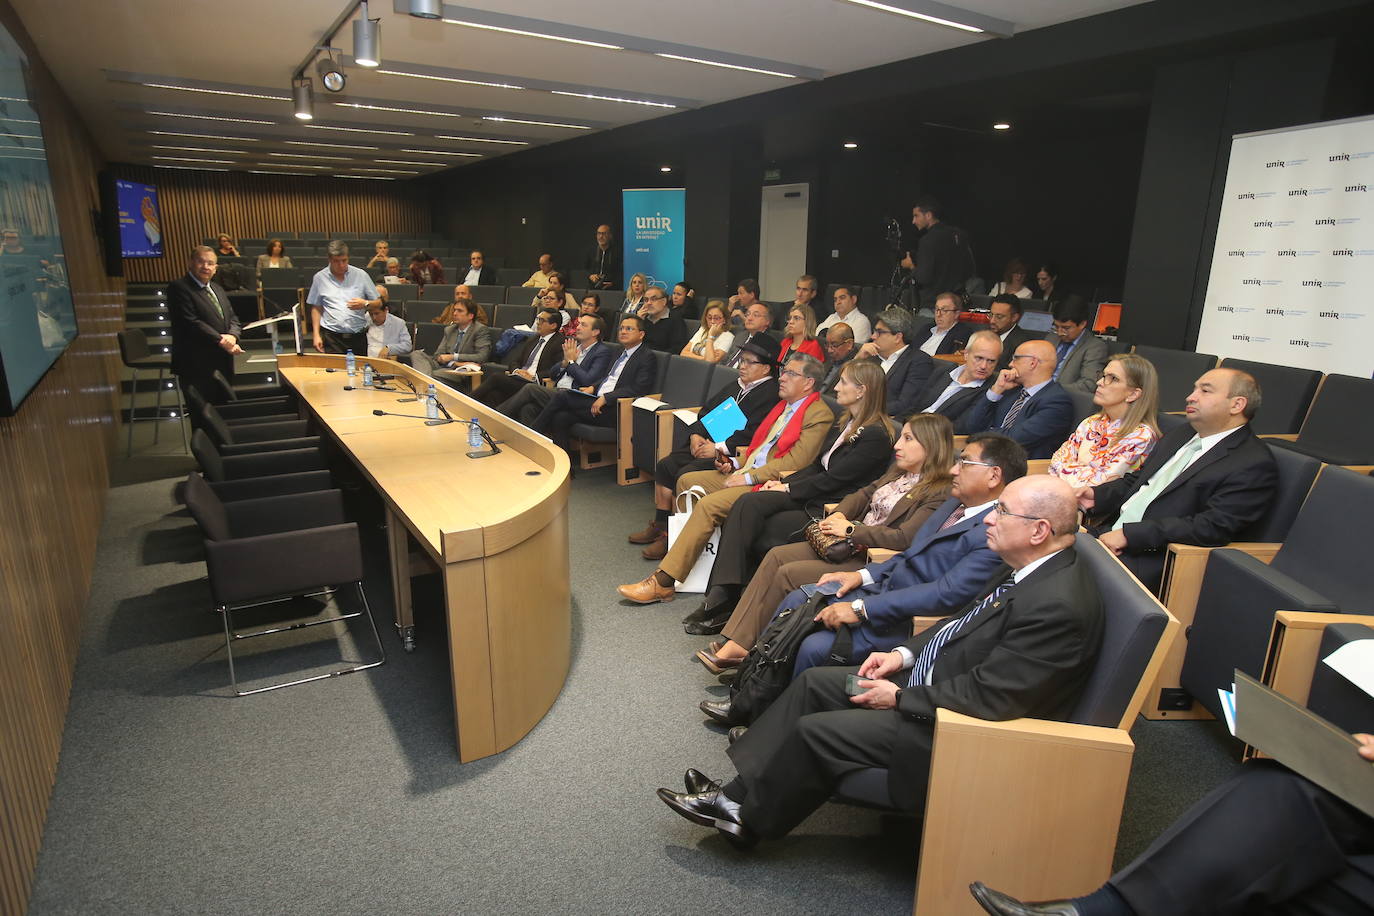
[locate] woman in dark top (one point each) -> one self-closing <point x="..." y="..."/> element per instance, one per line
<point x="856" y="450"/>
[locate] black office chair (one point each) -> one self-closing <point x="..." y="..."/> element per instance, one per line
<point x="135" y="353"/>
<point x="1337" y="429"/>
<point x="1178" y="370"/>
<point x="1288" y="394"/>
<point x="261" y="551"/>
<point x="239" y="439"/>
<point x="649" y="436"/>
<point x="258" y="475"/>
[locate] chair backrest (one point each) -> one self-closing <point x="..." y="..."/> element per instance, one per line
<point x="401" y="292"/>
<point x="1320" y="552"/>
<point x="721" y="376"/>
<point x="1135" y="622"/>
<point x="443" y="292"/>
<point x="1334" y="431"/>
<point x="1170" y="421"/>
<point x="421" y="312"/>
<point x="428" y="336"/>
<point x="509" y="316"/>
<point x="1287" y="392"/>
<point x="487" y="295"/>
<point x="513" y="276"/>
<point x="206" y="508"/>
<point x="207" y="456"/>
<point x="1296" y="473"/>
<point x="684" y="385"/>
<point x="211" y="421"/>
<point x="1083" y="406"/>
<point x="1178" y="370"/>
<point x="223" y="388"/>
<point x="133" y="344"/>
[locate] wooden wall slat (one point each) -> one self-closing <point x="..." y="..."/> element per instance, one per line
<point x="196" y="205"/>
<point x="55" y="454"/>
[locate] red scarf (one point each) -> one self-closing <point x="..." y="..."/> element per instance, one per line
<point x="790" y="433"/>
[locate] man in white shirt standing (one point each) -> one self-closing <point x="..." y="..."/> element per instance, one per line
<point x="338" y="296"/>
<point x="847" y="310"/>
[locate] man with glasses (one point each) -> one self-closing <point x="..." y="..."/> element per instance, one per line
<point x="531" y="361"/>
<point x="630" y="376"/>
<point x="603" y="261"/>
<point x="839" y="350"/>
<point x="946" y="334"/>
<point x="757" y="318"/>
<point x="1024" y="403"/>
<point x="906" y="367"/>
<point x="664" y="331"/>
<point x="847" y="311"/>
<point x="205" y="330"/>
<point x="1080" y="353"/>
<point x="1024" y="646"/>
<point x="952" y="393"/>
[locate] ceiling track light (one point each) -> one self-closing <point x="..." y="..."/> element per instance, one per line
<point x="331" y="73"/>
<point x="303" y="97"/>
<point x="367" y="37"/>
<point x="427" y="9"/>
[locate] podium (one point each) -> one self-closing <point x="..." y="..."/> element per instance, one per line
<point x="273" y="326"/>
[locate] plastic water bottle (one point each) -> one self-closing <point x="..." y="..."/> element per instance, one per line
<point x="367" y="375"/>
<point x="352" y="362"/>
<point x="432" y="403"/>
<point x="474" y="435"/>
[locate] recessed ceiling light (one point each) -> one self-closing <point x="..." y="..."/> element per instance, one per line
<point x="190" y="168"/>
<point x="361" y="130"/>
<point x="174" y="133"/>
<point x="716" y="63"/>
<point x="926" y="17"/>
<point x="311" y="156"/>
<point x="1001" y="125"/>
<point x="415" y="111"/>
<point x="293" y="165"/>
<point x="481" y="140"/>
<point x="611" y="98"/>
<point x="388" y="171"/>
<point x="201" y="117"/>
<point x="535" y="123"/>
<point x="850" y="144"/>
<point x="665" y="168"/>
<point x="203" y="149"/>
<point x="442" y="152"/>
<point x="406" y="162"/>
<point x="331" y="145"/>
<point x="564" y="38"/>
<point x="366" y="177"/>
<point x="193" y="159"/>
<point x="266" y="172"/>
<point x="450" y="79"/>
<point x="242" y="95"/>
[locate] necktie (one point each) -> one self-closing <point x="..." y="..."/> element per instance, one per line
<point x="1016" y="409"/>
<point x="760" y="457"/>
<point x="1133" y="510"/>
<point x="920" y="671"/>
<point x="215" y="300"/>
<point x="534" y="355"/>
<point x="955" y="517"/>
<point x="614" y="374"/>
<point x="1060" y="352"/>
<point x="458" y="340"/>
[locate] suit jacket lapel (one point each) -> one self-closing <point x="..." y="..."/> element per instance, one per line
<point x="1210" y="457"/>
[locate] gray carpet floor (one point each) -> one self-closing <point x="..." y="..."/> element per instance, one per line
<point x="346" y="795"/>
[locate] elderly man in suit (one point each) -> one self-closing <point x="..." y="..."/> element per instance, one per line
<point x="951" y="393"/>
<point x="1025" y="403"/>
<point x="586" y="360"/>
<point x="630" y="376"/>
<point x="1202" y="484"/>
<point x="788" y="439"/>
<point x="906" y="367"/>
<point x="1024" y="647"/>
<point x="944" y="335"/>
<point x="1080" y="353"/>
<point x="757" y="320"/>
<point x="205" y="330"/>
<point x="1004" y="317"/>
<point x="528" y="362"/>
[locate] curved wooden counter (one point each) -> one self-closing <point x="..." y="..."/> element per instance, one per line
<point x="496" y="528"/>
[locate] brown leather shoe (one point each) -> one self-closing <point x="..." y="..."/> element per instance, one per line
<point x="657" y="550"/>
<point x="713" y="662"/>
<point x="650" y="534"/>
<point x="647" y="591"/>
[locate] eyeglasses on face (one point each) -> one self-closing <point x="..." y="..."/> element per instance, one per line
<point x="1003" y="510"/>
<point x="789" y="373"/>
<point x="961" y="460"/>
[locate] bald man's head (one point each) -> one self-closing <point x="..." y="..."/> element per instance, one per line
<point x="1034" y="362"/>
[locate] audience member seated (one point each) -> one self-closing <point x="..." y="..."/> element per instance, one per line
<point x="1038" y="414"/>
<point x="540" y="278"/>
<point x="847" y="311"/>
<point x="275" y="257"/>
<point x="1114" y="441"/>
<point x="951" y="393"/>
<point x="806" y="291"/>
<point x="425" y="269"/>
<point x="1004" y="316"/>
<point x="586" y="360"/>
<point x="1025" y="647"/>
<point x="942" y="546"/>
<point x="338" y="296"/>
<point x="800" y="334"/>
<point x="391" y="274"/>
<point x="530" y="361"/>
<point x="787" y="440"/>
<point x="711" y="341"/>
<point x="755" y="393"/>
<point x="226" y="247"/>
<point x="906" y="367"/>
<point x="479" y="273"/>
<point x="746" y="294"/>
<point x="757" y="320"/>
<point x="591" y="304"/>
<point x="556" y="294"/>
<point x="684" y="300"/>
<point x="387" y="334"/>
<point x="1014" y="277"/>
<point x="855" y="452"/>
<point x="603" y="261"/>
<point x="467" y="342"/>
<point x="205" y="330"/>
<point x="945" y="334"/>
<point x="1202" y="484"/>
<point x="1047" y="279"/>
<point x="839" y="350"/>
<point x="1265" y="841"/>
<point x="380" y="255"/>
<point x="634" y="296"/>
<point x="1080" y="353"/>
<point x="663" y="331"/>
<point x="632" y="375"/>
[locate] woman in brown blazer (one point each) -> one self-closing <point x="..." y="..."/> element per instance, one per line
<point x="886" y="514"/>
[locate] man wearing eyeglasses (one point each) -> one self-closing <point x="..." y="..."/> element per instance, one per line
<point x="1025" y="403"/>
<point x="1081" y="354"/>
<point x="663" y="331"/>
<point x="847" y="311"/>
<point x="839" y="350"/>
<point x="757" y="319"/>
<point x="1025" y="646"/>
<point x="946" y="334"/>
<point x="906" y="367"/>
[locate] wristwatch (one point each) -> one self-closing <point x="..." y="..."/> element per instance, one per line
<point x="849" y="530"/>
<point x="858" y="605"/>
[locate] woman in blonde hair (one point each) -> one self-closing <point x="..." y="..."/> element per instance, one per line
<point x="1116" y="440"/>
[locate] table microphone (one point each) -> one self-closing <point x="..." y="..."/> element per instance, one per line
<point x="442" y="421"/>
<point x="364" y="388"/>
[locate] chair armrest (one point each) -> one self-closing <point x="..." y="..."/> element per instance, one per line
<point x="1294" y="642"/>
<point x="1038" y="466"/>
<point x="237" y="423"/>
<point x="1359" y="468"/>
<point x="275" y="485"/>
<point x="880" y="554"/>
<point x="270" y="463"/>
<point x="234" y="410"/>
<point x="920" y="624"/>
<point x="1055" y="792"/>
<point x="262" y="432"/>
<point x="270" y="445"/>
<point x="251" y="517"/>
<point x="1287" y="437"/>
<point x="286" y="563"/>
<point x="1183" y="570"/>
<point x="830" y="508"/>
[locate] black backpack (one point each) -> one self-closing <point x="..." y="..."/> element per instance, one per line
<point x="767" y="671"/>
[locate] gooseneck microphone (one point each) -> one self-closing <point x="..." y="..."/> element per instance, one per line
<point x="442" y="421"/>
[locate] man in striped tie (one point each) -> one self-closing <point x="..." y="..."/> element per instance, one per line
<point x="1024" y="647"/>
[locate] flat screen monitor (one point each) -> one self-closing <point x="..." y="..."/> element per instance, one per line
<point x="140" y="219"/>
<point x="1037" y="321"/>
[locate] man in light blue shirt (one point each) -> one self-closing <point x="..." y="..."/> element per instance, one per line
<point x="337" y="299"/>
<point x="387" y="335"/>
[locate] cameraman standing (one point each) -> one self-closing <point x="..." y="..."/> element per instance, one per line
<point x="943" y="261"/>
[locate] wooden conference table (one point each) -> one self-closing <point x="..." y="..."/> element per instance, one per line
<point x="496" y="528"/>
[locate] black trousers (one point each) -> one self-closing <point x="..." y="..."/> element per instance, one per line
<point x="339" y="342"/>
<point x="566" y="408"/>
<point x="526" y="404"/>
<point x="758" y="522"/>
<point x="495" y="389"/>
<point x="1265" y="841"/>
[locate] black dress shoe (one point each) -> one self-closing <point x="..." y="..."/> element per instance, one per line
<point x="712" y="614"/>
<point x="703" y="808"/>
<point x="718" y="711"/>
<point x="737" y="733"/>
<point x="698" y="782"/>
<point x="999" y="904"/>
<point x="708" y="627"/>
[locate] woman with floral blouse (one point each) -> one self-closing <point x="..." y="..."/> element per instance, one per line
<point x="1114" y="441"/>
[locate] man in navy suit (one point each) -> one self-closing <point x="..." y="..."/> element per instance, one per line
<point x="205" y="330"/>
<point x="1025" y="403"/>
<point x="586" y="360"/>
<point x="906" y="367"/>
<point x="947" y="563"/>
<point x="630" y="376"/>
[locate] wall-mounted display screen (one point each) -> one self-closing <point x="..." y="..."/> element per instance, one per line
<point x="140" y="220"/>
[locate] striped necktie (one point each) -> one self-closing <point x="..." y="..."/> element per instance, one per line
<point x="1015" y="411"/>
<point x="214" y="300"/>
<point x="920" y="672"/>
<point x="955" y="517"/>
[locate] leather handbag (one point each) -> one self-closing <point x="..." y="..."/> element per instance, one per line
<point x="829" y="547"/>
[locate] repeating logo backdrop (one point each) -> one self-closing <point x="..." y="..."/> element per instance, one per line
<point x="1294" y="259"/>
<point x="655" y="234"/>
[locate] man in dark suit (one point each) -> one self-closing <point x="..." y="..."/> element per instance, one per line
<point x="1082" y="355"/>
<point x="1025" y="647"/>
<point x="205" y="330"/>
<point x="586" y="360"/>
<point x="757" y="320"/>
<point x="1004" y="315"/>
<point x="1202" y="484"/>
<point x="945" y="334"/>
<point x="839" y="350"/>
<point x="529" y="362"/>
<point x="1024" y="403"/>
<point x="953" y="392"/>
<point x="664" y="331"/>
<point x="479" y="272"/>
<point x="906" y="367"/>
<point x="1262" y="840"/>
<point x="630" y="376"/>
